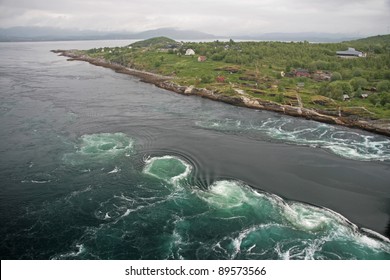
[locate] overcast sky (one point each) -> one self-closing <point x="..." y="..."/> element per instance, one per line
<point x="219" y="17"/>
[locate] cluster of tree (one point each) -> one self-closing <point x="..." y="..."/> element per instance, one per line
<point x="294" y="54"/>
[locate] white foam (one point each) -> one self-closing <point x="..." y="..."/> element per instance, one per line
<point x="176" y="241"/>
<point x="149" y="163"/>
<point x="306" y="217"/>
<point x="376" y="235"/>
<point x="40" y="182"/>
<point x="251" y="248"/>
<point x="127" y="213"/>
<point x="225" y="194"/>
<point x="368" y="241"/>
<point x="342" y="142"/>
<point x="323" y="225"/>
<point x="115" y="170"/>
<point x="78" y="192"/>
<point x="100" y="147"/>
<point x="80" y="250"/>
<point x="105" y="143"/>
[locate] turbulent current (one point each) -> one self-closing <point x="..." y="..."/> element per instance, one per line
<point x="97" y="165"/>
<point x="347" y="144"/>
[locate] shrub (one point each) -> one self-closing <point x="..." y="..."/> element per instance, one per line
<point x="337" y="89"/>
<point x="383" y="86"/>
<point x="280" y="98"/>
<point x="358" y="72"/>
<point x="218" y="56"/>
<point x="374" y="99"/>
<point x="384" y="98"/>
<point x="206" y="79"/>
<point x="358" y="82"/>
<point x="336" y="76"/>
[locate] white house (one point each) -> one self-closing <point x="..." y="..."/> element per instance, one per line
<point x="190" y="52"/>
<point x="351" y="52"/>
<point x="346" y="97"/>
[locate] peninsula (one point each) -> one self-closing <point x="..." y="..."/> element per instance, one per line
<point x="344" y="83"/>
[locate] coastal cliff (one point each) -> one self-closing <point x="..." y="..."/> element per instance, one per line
<point x="339" y="118"/>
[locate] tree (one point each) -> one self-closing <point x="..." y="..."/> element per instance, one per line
<point x="358" y="72"/>
<point x="358" y="82"/>
<point x="383" y="86"/>
<point x="374" y="99"/>
<point x="358" y="92"/>
<point x="218" y="56"/>
<point x="336" y="76"/>
<point x="337" y="89"/>
<point x="384" y="98"/>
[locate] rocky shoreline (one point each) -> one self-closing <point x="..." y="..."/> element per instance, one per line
<point x="376" y="126"/>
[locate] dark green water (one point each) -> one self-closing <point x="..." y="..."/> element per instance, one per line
<point x="97" y="165"/>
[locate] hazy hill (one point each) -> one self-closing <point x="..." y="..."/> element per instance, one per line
<point x="156" y="42"/>
<point x="299" y="36"/>
<point x="56" y="34"/>
<point x="174" y="33"/>
<point x="379" y="44"/>
<point x="23" y="33"/>
<point x="379" y="39"/>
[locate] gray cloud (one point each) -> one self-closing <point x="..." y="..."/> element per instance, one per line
<point x="226" y="17"/>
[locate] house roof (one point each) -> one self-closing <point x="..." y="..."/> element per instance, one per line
<point x="190" y="52"/>
<point x="346" y="96"/>
<point x="350" y="51"/>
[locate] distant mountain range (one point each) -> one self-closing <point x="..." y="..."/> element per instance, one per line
<point x="315" y="37"/>
<point x="23" y="34"/>
<point x="56" y="34"/>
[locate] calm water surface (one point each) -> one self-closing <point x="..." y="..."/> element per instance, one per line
<point x="97" y="165"/>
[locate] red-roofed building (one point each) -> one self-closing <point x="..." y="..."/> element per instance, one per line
<point x="301" y="73"/>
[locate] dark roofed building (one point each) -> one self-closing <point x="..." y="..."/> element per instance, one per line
<point x="351" y="52"/>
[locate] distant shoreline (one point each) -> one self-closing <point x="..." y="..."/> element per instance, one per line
<point x="381" y="127"/>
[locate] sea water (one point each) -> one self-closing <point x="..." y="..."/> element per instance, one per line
<point x="98" y="165"/>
